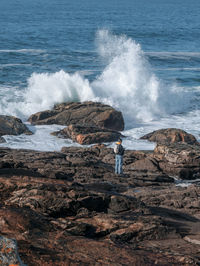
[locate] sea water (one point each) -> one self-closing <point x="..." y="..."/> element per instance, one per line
<point x="141" y="57"/>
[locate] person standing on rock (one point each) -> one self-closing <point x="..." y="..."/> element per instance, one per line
<point x="119" y="152"/>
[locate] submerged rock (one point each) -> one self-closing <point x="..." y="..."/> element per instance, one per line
<point x="88" y="134"/>
<point x="86" y="113"/>
<point x="170" y="135"/>
<point x="10" y="125"/>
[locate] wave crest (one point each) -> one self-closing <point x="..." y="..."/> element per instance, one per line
<point x="127" y="83"/>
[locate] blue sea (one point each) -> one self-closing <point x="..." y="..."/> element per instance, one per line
<point x="141" y="57"/>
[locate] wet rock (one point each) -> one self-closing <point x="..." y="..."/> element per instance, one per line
<point x="87" y="134"/>
<point x="170" y="135"/>
<point x="10" y="125"/>
<point x="86" y="113"/>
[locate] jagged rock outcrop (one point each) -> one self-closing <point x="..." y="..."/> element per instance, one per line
<point x="170" y="135"/>
<point x="82" y="165"/>
<point x="10" y="125"/>
<point x="86" y="113"/>
<point x="88" y="134"/>
<point x="182" y="160"/>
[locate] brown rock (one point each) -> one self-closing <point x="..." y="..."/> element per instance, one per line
<point x="120" y="204"/>
<point x="95" y="217"/>
<point x="183" y="199"/>
<point x="147" y="171"/>
<point x="87" y="134"/>
<point x="147" y="164"/>
<point x="182" y="160"/>
<point x="87" y="113"/>
<point x="10" y="125"/>
<point x="170" y="135"/>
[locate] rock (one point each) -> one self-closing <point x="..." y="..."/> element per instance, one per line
<point x="9" y="252"/>
<point x="10" y="125"/>
<point x="88" y="134"/>
<point x="146" y="164"/>
<point x="69" y="207"/>
<point x="170" y="135"/>
<point x="87" y="113"/>
<point x="182" y="160"/>
<point x="183" y="199"/>
<point x="120" y="204"/>
<point x="146" y="171"/>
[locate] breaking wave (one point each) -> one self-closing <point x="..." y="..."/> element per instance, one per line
<point x="127" y="83"/>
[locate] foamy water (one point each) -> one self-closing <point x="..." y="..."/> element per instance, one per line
<point x="127" y="82"/>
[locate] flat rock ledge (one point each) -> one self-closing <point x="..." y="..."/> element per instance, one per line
<point x="86" y="113"/>
<point x="85" y="135"/>
<point x="69" y="208"/>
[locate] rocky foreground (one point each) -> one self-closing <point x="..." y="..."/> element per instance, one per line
<point x="69" y="208"/>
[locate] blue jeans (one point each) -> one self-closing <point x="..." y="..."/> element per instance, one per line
<point x="118" y="164"/>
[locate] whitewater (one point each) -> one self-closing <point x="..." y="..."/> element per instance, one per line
<point x="127" y="82"/>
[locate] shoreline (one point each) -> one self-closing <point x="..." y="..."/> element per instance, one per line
<point x="69" y="207"/>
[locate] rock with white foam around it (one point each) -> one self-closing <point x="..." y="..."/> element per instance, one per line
<point x="170" y="135"/>
<point x="85" y="135"/>
<point x="86" y="114"/>
<point x="10" y="125"/>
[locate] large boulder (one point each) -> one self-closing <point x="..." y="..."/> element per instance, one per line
<point x="87" y="113"/>
<point x="87" y="134"/>
<point x="10" y="125"/>
<point x="170" y="135"/>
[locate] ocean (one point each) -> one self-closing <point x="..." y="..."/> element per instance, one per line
<point x="141" y="57"/>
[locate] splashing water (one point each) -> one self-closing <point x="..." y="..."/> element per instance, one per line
<point x="127" y="83"/>
<point x="45" y="90"/>
<point x="127" y="80"/>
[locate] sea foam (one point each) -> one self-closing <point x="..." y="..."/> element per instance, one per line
<point x="127" y="83"/>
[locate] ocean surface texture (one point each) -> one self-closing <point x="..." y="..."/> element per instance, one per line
<point x="141" y="57"/>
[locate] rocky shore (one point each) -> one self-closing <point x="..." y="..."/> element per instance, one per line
<point x="69" y="208"/>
